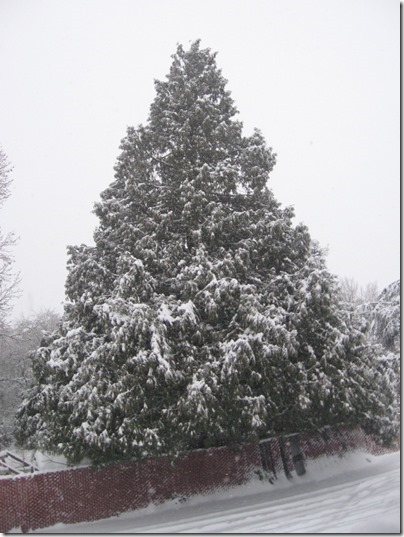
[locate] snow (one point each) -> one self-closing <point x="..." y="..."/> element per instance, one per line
<point x="354" y="494"/>
<point x="188" y="309"/>
<point x="165" y="314"/>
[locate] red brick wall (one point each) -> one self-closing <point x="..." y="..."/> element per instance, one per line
<point x="84" y="494"/>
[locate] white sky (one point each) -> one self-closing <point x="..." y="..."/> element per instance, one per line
<point x="319" y="78"/>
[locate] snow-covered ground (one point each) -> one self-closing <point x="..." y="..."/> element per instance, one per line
<point x="359" y="493"/>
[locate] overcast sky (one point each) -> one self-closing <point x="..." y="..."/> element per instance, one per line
<point x="319" y="78"/>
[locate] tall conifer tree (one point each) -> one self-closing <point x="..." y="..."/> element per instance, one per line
<point x="202" y="316"/>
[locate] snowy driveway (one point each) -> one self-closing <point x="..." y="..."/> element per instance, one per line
<point x="360" y="493"/>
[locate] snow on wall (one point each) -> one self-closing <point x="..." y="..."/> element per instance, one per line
<point x="86" y="494"/>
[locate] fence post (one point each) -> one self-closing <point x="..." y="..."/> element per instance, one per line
<point x="267" y="460"/>
<point x="297" y="455"/>
<point x="282" y="449"/>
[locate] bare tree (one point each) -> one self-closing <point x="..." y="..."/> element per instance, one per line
<point x="370" y="293"/>
<point x="5" y="181"/>
<point x="355" y="295"/>
<point x="8" y="279"/>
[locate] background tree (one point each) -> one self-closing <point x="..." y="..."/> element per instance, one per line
<point x="378" y="315"/>
<point x="8" y="280"/>
<point x="202" y="316"/>
<point x="380" y="311"/>
<point x="21" y="337"/>
<point x="355" y="295"/>
<point x="384" y="331"/>
<point x="385" y="318"/>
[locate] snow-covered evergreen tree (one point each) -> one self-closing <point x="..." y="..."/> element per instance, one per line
<point x="378" y="317"/>
<point x="383" y="334"/>
<point x="385" y="318"/>
<point x="202" y="316"/>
